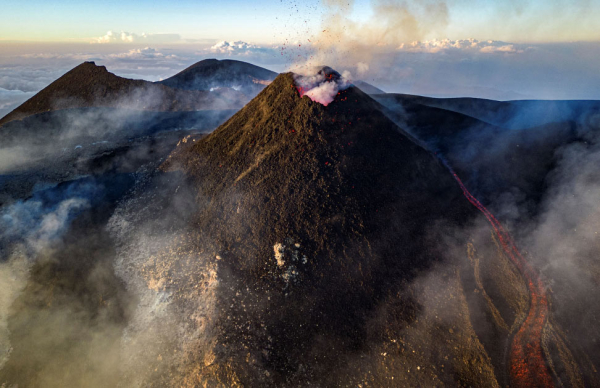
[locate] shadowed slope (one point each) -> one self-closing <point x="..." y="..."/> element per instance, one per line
<point x="367" y="87"/>
<point x="491" y="160"/>
<point x="518" y="114"/>
<point x="212" y="73"/>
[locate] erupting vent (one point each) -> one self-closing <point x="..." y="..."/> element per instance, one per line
<point x="322" y="86"/>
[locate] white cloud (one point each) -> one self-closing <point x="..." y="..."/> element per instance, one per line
<point x="225" y="47"/>
<point x="240" y="48"/>
<point x="10" y="99"/>
<point x="506" y="49"/>
<point x="128" y="37"/>
<point x="468" y="45"/>
<point x="143" y="53"/>
<point x="108" y="38"/>
<point x="25" y="79"/>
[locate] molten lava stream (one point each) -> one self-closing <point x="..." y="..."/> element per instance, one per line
<point x="527" y="366"/>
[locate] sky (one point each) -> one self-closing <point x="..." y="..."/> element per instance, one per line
<point x="263" y="21"/>
<point x="510" y="49"/>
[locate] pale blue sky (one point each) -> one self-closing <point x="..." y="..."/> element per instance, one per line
<point x="266" y="21"/>
<point x="542" y="49"/>
<point x="80" y="20"/>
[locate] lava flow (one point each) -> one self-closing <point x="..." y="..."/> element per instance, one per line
<point x="527" y="366"/>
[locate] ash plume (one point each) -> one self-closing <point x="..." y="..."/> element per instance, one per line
<point x="348" y="44"/>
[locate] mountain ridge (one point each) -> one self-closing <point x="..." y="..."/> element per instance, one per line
<point x="89" y="85"/>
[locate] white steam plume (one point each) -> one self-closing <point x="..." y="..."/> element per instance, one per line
<point x="322" y="84"/>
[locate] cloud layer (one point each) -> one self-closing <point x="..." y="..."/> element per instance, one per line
<point x="129" y="37"/>
<point x="436" y="67"/>
<point x="465" y="45"/>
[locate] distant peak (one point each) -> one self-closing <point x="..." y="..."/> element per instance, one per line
<point x="91" y="66"/>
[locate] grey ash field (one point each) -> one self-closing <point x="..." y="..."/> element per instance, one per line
<point x="220" y="229"/>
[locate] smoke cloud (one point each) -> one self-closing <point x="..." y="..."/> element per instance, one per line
<point x="67" y="134"/>
<point x="95" y="268"/>
<point x="321" y="85"/>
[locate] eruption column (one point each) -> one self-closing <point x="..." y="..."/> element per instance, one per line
<point x="527" y="366"/>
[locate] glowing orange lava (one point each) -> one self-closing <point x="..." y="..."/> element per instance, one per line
<point x="527" y="366"/>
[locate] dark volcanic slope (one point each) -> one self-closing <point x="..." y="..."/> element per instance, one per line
<point x="88" y="85"/>
<point x="316" y="215"/>
<point x="518" y="114"/>
<point x="367" y="87"/>
<point x="213" y="73"/>
<point x="293" y="156"/>
<point x="492" y="159"/>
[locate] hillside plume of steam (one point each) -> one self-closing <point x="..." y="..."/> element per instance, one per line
<point x="31" y="229"/>
<point x="321" y="84"/>
<point x="38" y="221"/>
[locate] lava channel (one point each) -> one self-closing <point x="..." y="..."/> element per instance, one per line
<point x="527" y="366"/>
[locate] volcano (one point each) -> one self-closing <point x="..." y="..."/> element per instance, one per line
<point x="318" y="220"/>
<point x="330" y="179"/>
